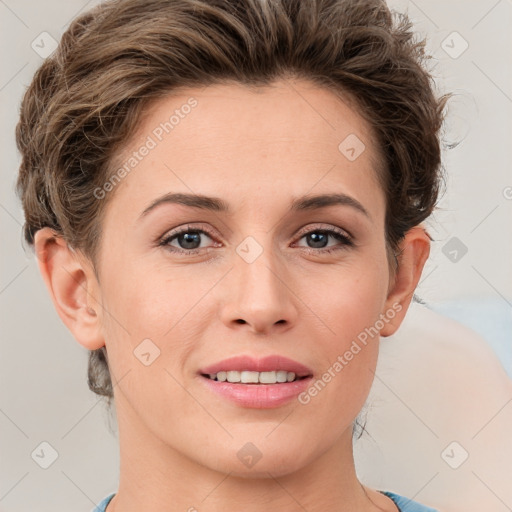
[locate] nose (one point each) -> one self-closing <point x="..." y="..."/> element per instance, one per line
<point x="259" y="296"/>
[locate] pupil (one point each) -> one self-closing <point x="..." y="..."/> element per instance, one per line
<point x="188" y="239"/>
<point x="319" y="239"/>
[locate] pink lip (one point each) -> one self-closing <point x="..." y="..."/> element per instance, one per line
<point x="265" y="364"/>
<point x="258" y="396"/>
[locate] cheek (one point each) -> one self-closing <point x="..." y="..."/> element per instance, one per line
<point x="349" y="359"/>
<point x="167" y="308"/>
<point x="349" y="303"/>
<point x="350" y="297"/>
<point x="151" y="322"/>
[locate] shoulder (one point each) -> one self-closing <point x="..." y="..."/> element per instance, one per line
<point x="406" y="504"/>
<point x="102" y="505"/>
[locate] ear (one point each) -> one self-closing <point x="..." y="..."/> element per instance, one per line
<point x="72" y="285"/>
<point x="413" y="254"/>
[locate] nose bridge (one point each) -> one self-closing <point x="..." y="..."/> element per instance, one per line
<point x="260" y="295"/>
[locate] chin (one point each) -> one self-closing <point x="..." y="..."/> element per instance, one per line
<point x="277" y="464"/>
<point x="262" y="470"/>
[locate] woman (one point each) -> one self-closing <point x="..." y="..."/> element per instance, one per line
<point x="225" y="199"/>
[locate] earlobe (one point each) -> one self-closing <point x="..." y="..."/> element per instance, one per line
<point x="414" y="251"/>
<point x="72" y="287"/>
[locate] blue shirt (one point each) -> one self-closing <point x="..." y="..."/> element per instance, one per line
<point x="403" y="504"/>
<point x="407" y="505"/>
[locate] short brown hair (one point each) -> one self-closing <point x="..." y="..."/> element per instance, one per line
<point x="85" y="100"/>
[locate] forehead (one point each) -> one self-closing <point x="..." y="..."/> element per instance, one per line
<point x="235" y="141"/>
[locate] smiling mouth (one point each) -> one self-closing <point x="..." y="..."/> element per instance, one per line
<point x="258" y="378"/>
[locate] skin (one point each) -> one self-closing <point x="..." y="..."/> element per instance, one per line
<point x="256" y="150"/>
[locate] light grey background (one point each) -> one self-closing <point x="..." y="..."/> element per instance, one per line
<point x="43" y="390"/>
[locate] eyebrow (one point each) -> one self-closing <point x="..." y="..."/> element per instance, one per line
<point x="216" y="204"/>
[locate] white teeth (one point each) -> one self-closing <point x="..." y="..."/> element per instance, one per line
<point x="250" y="377"/>
<point x="268" y="377"/>
<point x="281" y="376"/>
<point x="234" y="376"/>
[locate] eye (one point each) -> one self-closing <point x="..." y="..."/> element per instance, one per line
<point x="188" y="241"/>
<point x="185" y="241"/>
<point x="319" y="238"/>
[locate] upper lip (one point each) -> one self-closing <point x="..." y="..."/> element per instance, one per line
<point x="265" y="364"/>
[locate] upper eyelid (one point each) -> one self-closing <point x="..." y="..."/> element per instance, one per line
<point x="309" y="229"/>
<point x="185" y="229"/>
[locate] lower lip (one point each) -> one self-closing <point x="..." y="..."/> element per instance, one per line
<point x="258" y="396"/>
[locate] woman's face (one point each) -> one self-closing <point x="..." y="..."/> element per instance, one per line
<point x="259" y="279"/>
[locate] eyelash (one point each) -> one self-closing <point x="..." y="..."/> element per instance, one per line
<point x="340" y="235"/>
